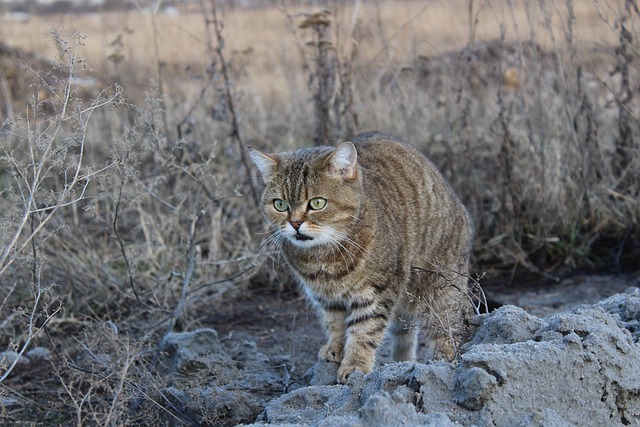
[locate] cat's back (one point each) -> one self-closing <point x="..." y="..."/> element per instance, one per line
<point x="374" y="145"/>
<point x="388" y="159"/>
<point x="409" y="194"/>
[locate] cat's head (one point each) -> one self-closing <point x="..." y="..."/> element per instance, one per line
<point x="312" y="196"/>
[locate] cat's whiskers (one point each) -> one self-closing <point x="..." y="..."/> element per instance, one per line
<point x="272" y="232"/>
<point x="335" y="243"/>
<point x="273" y="243"/>
<point x="344" y="237"/>
<point x="337" y="247"/>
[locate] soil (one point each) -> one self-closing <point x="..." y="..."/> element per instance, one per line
<point x="282" y="323"/>
<point x="258" y="348"/>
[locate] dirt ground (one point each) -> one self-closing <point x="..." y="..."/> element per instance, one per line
<point x="267" y="341"/>
<point x="282" y="323"/>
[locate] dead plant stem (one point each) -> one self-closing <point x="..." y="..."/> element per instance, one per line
<point x="176" y="321"/>
<point x="235" y="128"/>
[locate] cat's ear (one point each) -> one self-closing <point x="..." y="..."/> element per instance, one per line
<point x="266" y="163"/>
<point x="343" y="162"/>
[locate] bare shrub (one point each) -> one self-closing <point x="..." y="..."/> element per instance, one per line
<point x="140" y="229"/>
<point x="46" y="171"/>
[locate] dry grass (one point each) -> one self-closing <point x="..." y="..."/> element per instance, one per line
<point x="126" y="200"/>
<point x="390" y="34"/>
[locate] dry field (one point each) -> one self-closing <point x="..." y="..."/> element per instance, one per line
<point x="265" y="45"/>
<point x="127" y="204"/>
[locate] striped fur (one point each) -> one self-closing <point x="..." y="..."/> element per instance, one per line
<point x="388" y="252"/>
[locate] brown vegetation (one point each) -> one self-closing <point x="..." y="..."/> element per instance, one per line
<point x="128" y="209"/>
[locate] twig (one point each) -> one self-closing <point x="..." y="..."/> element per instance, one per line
<point x="191" y="264"/>
<point x="159" y="65"/>
<point x="226" y="279"/>
<point x="475" y="294"/>
<point x="32" y="330"/>
<point x="120" y="242"/>
<point x="41" y="165"/>
<point x="235" y="129"/>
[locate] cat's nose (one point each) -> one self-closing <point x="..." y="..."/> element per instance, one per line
<point x="296" y="224"/>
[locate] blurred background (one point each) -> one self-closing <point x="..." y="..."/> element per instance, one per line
<point x="127" y="200"/>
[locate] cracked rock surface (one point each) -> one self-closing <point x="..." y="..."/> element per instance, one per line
<point x="577" y="368"/>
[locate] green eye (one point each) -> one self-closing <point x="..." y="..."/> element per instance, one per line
<point x="317" y="203"/>
<point x="280" y="205"/>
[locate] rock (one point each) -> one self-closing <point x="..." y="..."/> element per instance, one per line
<point x="434" y="384"/>
<point x="249" y="357"/>
<point x="188" y="353"/>
<point x="209" y="386"/>
<point x="7" y="358"/>
<point x="506" y="325"/>
<point x="210" y="405"/>
<point x="323" y="373"/>
<point x="542" y="418"/>
<point x="474" y="388"/>
<point x="382" y="410"/>
<point x="578" y="368"/>
<point x="625" y="309"/>
<point x="312" y="404"/>
<point x="40" y="353"/>
<point x="263" y="371"/>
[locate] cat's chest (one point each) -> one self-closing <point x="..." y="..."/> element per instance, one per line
<point x="322" y="274"/>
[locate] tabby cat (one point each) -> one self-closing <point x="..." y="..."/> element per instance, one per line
<point x="379" y="242"/>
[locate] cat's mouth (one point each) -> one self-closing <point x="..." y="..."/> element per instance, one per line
<point x="302" y="237"/>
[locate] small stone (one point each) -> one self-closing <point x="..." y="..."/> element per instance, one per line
<point x="7" y="358"/>
<point x="39" y="353"/>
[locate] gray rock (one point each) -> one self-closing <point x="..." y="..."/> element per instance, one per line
<point x="311" y="404"/>
<point x="382" y="410"/>
<point x="249" y="357"/>
<point x="40" y="353"/>
<point x="188" y="353"/>
<point x="209" y="386"/>
<point x="209" y="405"/>
<point x="542" y="418"/>
<point x="7" y="358"/>
<point x="625" y="309"/>
<point x="578" y="368"/>
<point x="435" y="384"/>
<point x="474" y="388"/>
<point x="506" y="325"/>
<point x="323" y="373"/>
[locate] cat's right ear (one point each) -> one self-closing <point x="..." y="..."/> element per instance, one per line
<point x="267" y="164"/>
<point x="343" y="162"/>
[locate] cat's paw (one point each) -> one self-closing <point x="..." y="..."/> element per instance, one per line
<point x="347" y="371"/>
<point x="344" y="372"/>
<point x="331" y="352"/>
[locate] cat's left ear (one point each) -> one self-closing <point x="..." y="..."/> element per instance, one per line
<point x="343" y="162"/>
<point x="266" y="164"/>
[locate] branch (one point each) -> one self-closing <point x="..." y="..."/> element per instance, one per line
<point x="235" y="129"/>
<point x="32" y="331"/>
<point x="191" y="264"/>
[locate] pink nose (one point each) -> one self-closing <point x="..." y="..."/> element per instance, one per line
<point x="296" y="224"/>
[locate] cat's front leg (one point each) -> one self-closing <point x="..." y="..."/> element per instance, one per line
<point x="334" y="324"/>
<point x="366" y="323"/>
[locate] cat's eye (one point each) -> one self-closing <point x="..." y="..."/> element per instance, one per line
<point x="280" y="205"/>
<point x="317" y="203"/>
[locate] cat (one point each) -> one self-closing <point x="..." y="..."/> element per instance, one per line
<point x="379" y="242"/>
